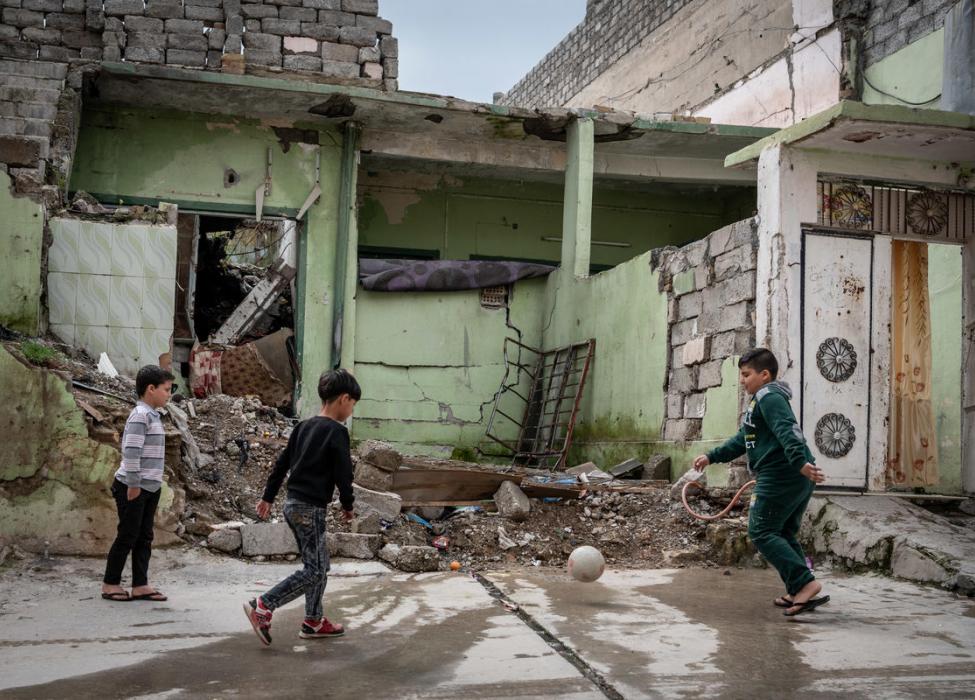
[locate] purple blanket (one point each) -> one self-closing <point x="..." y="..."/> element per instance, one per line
<point x="443" y="275"/>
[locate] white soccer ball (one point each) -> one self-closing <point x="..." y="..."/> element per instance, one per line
<point x="586" y="564"/>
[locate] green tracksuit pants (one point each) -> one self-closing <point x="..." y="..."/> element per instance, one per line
<point x="773" y="524"/>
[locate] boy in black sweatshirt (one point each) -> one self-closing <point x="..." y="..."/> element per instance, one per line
<point x="786" y="473"/>
<point x="316" y="460"/>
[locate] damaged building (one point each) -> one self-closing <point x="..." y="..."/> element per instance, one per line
<point x="568" y="275"/>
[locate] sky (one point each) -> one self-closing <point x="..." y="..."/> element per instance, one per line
<point x="474" y="48"/>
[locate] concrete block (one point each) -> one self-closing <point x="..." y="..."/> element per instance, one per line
<point x="357" y="36"/>
<point x="709" y="375"/>
<point x="720" y="241"/>
<point x="252" y="25"/>
<point x="188" y="42"/>
<point x="734" y="262"/>
<point x="302" y="45"/>
<point x="42" y="5"/>
<point x="340" y="52"/>
<point x="374" y="24"/>
<point x="302" y="14"/>
<point x="715" y="318"/>
<point x="260" y="57"/>
<point x="112" y="24"/>
<point x="284" y="3"/>
<point x="702" y="276"/>
<point x="412" y="559"/>
<point x="235" y="25"/>
<point x="512" y="502"/>
<point x="682" y="430"/>
<point x="226" y="540"/>
<point x="120" y="8"/>
<point x="387" y="504"/>
<point x="232" y="44"/>
<point x="683" y="282"/>
<point x="258" y="11"/>
<point x="675" y="405"/>
<point x="232" y="63"/>
<point x="263" y="42"/>
<point x="22" y="18"/>
<point x="281" y="27"/>
<point x="214" y="59"/>
<point x="367" y="524"/>
<point x="265" y="539"/>
<point x="353" y="545"/>
<point x="372" y="477"/>
<point x="369" y="54"/>
<point x="336" y="19"/>
<point x="695" y="252"/>
<point x="361" y="7"/>
<point x="657" y="468"/>
<point x="112" y="53"/>
<point x="372" y="70"/>
<point x="683" y="331"/>
<point x="185" y="26"/>
<point x="689" y="305"/>
<point x="42" y="36"/>
<point x="735" y="289"/>
<point x="322" y="4"/>
<point x="73" y="6"/>
<point x="113" y="39"/>
<point x="80" y="38"/>
<point x="340" y="69"/>
<point x="94" y="19"/>
<point x="381" y="455"/>
<point x="137" y="23"/>
<point x="695" y="406"/>
<point x="207" y="14"/>
<point x="91" y="53"/>
<point x="322" y="32"/>
<point x="216" y="39"/>
<point x="57" y="53"/>
<point x="672" y="307"/>
<point x="697" y="350"/>
<point x="145" y="40"/>
<point x="8" y="33"/>
<point x="204" y="3"/>
<point x="164" y="9"/>
<point x="144" y="55"/>
<point x="683" y="380"/>
<point x="190" y="59"/>
<point x="63" y="21"/>
<point x="18" y="151"/>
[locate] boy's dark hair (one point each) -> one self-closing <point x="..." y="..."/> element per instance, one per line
<point x="151" y="375"/>
<point x="334" y="383"/>
<point x="760" y="359"/>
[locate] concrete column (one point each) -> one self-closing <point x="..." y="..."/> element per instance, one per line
<point x="786" y="200"/>
<point x="968" y="368"/>
<point x="346" y="253"/>
<point x="577" y="203"/>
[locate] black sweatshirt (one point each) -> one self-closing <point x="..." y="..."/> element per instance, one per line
<point x="316" y="460"/>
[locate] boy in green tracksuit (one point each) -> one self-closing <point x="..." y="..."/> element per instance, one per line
<point x="786" y="475"/>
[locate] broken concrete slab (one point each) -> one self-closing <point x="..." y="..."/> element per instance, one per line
<point x="512" y="502"/>
<point x="388" y="505"/>
<point x="380" y="455"/>
<point x="657" y="468"/>
<point x="411" y="558"/>
<point x="225" y="540"/>
<point x="372" y="477"/>
<point x="265" y="539"/>
<point x="630" y="469"/>
<point x="894" y="536"/>
<point x="353" y="545"/>
<point x="367" y="524"/>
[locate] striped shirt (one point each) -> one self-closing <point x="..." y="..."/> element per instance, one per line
<point x="143" y="449"/>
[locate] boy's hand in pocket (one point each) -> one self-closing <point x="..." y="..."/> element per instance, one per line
<point x="813" y="473"/>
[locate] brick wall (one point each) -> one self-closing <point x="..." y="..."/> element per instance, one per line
<point x="336" y="38"/>
<point x="710" y="286"/>
<point x="893" y="24"/>
<point x="611" y="28"/>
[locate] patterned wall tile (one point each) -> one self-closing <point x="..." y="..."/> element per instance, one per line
<point x="125" y="302"/>
<point x="94" y="248"/>
<point x="158" y="303"/>
<point x="62" y="296"/>
<point x="65" y="332"/>
<point x="154" y="344"/>
<point x="128" y="250"/>
<point x="94" y="339"/>
<point x="125" y="349"/>
<point x="160" y="251"/>
<point x="93" y="300"/>
<point x="62" y="256"/>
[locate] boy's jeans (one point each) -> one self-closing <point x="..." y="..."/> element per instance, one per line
<point x="307" y="522"/>
<point x="773" y="523"/>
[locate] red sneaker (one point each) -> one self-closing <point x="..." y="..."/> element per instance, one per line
<point x="260" y="619"/>
<point x="319" y="629"/>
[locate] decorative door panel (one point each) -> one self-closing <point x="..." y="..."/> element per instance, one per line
<point x="836" y="320"/>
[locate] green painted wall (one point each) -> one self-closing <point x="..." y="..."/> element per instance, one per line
<point x="944" y="287"/>
<point x="913" y="74"/>
<point x="21" y="243"/>
<point x="430" y="364"/>
<point x="135" y="155"/>
<point x="462" y="217"/>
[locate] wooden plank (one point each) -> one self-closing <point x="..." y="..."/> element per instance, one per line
<point x="90" y="410"/>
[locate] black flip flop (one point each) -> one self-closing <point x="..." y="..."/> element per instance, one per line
<point x="156" y="596"/>
<point x="781" y="602"/>
<point x="117" y="597"/>
<point x="810" y="604"/>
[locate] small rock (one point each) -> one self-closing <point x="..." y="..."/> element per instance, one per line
<point x="353" y="545"/>
<point x="380" y="455"/>
<point x="367" y="524"/>
<point x="226" y="540"/>
<point x="967" y="507"/>
<point x="512" y="502"/>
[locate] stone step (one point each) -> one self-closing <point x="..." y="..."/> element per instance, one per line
<point x="30" y="95"/>
<point x="32" y="81"/>
<point x="38" y="69"/>
<point x="17" y="126"/>
<point x="28" y="110"/>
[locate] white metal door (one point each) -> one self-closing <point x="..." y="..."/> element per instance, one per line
<point x="837" y="319"/>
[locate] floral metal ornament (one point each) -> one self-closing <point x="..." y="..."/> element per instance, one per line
<point x="835" y="435"/>
<point x="836" y="359"/>
<point x="851" y="206"/>
<point x="927" y="213"/>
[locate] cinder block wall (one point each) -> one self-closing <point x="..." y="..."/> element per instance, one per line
<point x="340" y="39"/>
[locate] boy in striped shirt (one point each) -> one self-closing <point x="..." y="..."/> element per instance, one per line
<point x="136" y="488"/>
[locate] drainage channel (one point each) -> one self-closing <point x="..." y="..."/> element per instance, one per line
<point x="564" y="651"/>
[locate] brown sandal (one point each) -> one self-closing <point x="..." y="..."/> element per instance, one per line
<point x="117" y="596"/>
<point x="155" y="595"/>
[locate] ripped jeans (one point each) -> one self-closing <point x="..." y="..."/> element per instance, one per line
<point x="307" y="522"/>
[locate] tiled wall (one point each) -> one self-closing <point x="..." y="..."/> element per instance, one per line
<point x="112" y="289"/>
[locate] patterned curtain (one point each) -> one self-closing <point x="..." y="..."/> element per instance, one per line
<point x="913" y="450"/>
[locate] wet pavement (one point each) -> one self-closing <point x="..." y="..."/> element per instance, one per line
<point x="634" y="634"/>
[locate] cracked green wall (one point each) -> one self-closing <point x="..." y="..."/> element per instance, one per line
<point x="21" y="242"/>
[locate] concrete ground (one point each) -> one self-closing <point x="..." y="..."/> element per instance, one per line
<point x="634" y="634"/>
